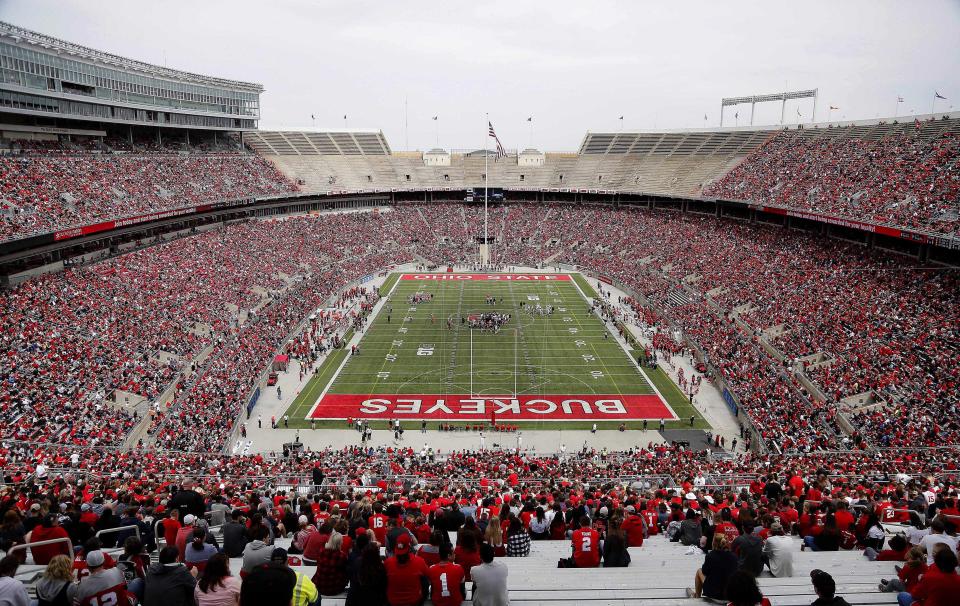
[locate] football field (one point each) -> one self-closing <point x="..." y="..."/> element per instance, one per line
<point x="506" y="348"/>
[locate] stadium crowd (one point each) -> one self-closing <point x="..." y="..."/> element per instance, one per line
<point x="191" y="325"/>
<point x="906" y="180"/>
<point x="601" y="503"/>
<point x="886" y="329"/>
<point x="81" y="341"/>
<point x="50" y="189"/>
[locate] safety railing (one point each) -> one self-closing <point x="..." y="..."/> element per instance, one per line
<point x="118" y="530"/>
<point x="24" y="546"/>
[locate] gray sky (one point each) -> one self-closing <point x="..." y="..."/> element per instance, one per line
<point x="573" y="66"/>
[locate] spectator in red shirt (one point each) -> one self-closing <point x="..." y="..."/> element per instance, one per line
<point x="430" y="551"/>
<point x="48" y="529"/>
<point x="466" y="554"/>
<point x="378" y="523"/>
<point x="899" y="546"/>
<point x="788" y="514"/>
<point x="726" y="527"/>
<point x="843" y="516"/>
<point x="909" y="576"/>
<point x="447" y="580"/>
<point x="939" y="587"/>
<point x="586" y="546"/>
<point x="331" y="575"/>
<point x="316" y="542"/>
<point x="171" y="526"/>
<point x="634" y="527"/>
<point x="407" y="581"/>
<point x="184" y="534"/>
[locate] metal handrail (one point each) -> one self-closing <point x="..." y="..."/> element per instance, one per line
<point x="118" y="529"/>
<point x="45" y="542"/>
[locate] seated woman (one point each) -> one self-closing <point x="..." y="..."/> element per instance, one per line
<point x="615" y="554"/>
<point x="466" y="554"/>
<point x="827" y="539"/>
<point x="718" y="566"/>
<point x="540" y="525"/>
<point x="493" y="536"/>
<point x="198" y="551"/>
<point x="909" y="576"/>
<point x="430" y="552"/>
<point x="558" y="528"/>
<point x="518" y="541"/>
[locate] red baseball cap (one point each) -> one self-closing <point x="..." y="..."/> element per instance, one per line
<point x="359" y="531"/>
<point x="403" y="544"/>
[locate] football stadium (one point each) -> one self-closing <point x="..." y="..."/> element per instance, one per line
<point x="514" y="309"/>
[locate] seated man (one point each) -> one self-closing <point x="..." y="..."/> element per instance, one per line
<point x="586" y="546"/>
<point x="777" y="552"/>
<point x="101" y="586"/>
<point x="826" y="589"/>
<point x="489" y="580"/>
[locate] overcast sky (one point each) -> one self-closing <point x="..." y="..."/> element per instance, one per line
<point x="572" y="66"/>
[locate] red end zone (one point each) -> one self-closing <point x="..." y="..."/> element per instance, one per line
<point x="503" y="408"/>
<point x="492" y="277"/>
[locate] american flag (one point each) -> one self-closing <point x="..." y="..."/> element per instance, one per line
<point x="501" y="153"/>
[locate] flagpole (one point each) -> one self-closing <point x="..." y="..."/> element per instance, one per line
<point x="486" y="178"/>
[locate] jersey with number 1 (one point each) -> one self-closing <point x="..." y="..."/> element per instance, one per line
<point x="445" y="579"/>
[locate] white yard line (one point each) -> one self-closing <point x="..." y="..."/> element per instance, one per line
<point x="623" y="345"/>
<point x="355" y="339"/>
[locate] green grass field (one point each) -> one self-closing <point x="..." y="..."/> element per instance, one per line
<point x="409" y="349"/>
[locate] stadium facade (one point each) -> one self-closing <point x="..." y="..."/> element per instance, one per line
<point x="48" y="78"/>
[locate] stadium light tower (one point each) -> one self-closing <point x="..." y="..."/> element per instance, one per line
<point x="782" y="97"/>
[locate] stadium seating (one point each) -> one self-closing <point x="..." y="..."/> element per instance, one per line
<point x="659" y="571"/>
<point x="902" y="175"/>
<point x="798" y="286"/>
<point x="45" y="190"/>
